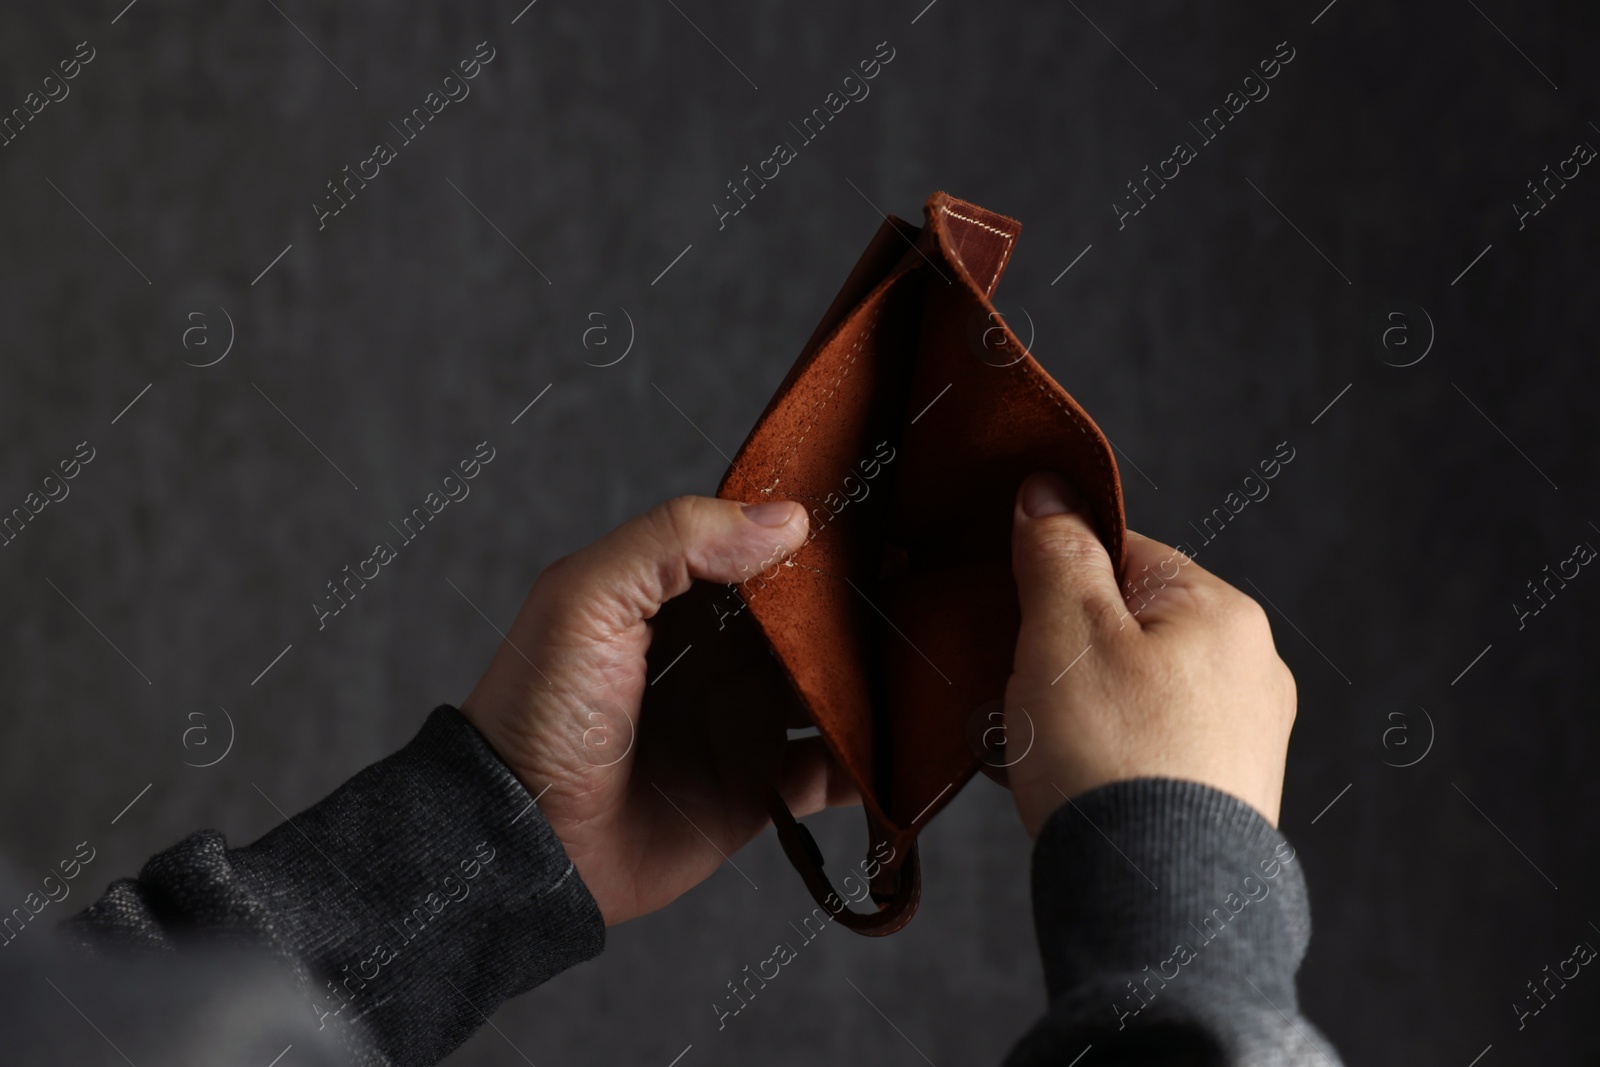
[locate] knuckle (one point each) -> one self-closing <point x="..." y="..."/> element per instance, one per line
<point x="1067" y="541"/>
<point x="672" y="531"/>
<point x="1246" y="612"/>
<point x="1210" y="604"/>
<point x="1257" y="617"/>
<point x="557" y="592"/>
<point x="1102" y="613"/>
<point x="556" y="573"/>
<point x="675" y="518"/>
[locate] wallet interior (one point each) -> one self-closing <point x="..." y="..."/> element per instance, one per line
<point x="905" y="428"/>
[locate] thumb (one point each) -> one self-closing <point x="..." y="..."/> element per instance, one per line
<point x="627" y="575"/>
<point x="1065" y="582"/>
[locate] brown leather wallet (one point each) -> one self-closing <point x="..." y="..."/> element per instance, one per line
<point x="905" y="427"/>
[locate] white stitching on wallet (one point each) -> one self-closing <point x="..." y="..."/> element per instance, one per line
<point x="977" y="222"/>
<point x="994" y="278"/>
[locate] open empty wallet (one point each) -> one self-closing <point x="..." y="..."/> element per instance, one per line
<point x="906" y="427"/>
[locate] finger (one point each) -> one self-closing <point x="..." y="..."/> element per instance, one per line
<point x="627" y="575"/>
<point x="1066" y="585"/>
<point x="1155" y="572"/>
<point x="812" y="779"/>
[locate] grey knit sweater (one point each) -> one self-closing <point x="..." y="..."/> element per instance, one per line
<point x="400" y="911"/>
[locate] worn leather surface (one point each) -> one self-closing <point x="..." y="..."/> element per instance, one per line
<point x="905" y="427"/>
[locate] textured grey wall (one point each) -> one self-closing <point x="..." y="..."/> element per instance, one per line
<point x="1219" y="321"/>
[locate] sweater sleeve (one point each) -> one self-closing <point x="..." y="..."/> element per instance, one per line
<point x="1171" y="918"/>
<point x="408" y="904"/>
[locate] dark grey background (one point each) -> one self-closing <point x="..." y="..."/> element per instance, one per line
<point x="1200" y="336"/>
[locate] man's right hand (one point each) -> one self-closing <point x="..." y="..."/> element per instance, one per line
<point x="1173" y="676"/>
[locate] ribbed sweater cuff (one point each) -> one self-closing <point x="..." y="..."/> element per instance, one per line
<point x="1158" y="879"/>
<point x="423" y="893"/>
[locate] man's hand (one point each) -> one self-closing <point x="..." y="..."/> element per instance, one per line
<point x="647" y="810"/>
<point x="1174" y="676"/>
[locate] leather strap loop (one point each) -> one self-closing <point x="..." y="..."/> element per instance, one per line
<point x="897" y="903"/>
